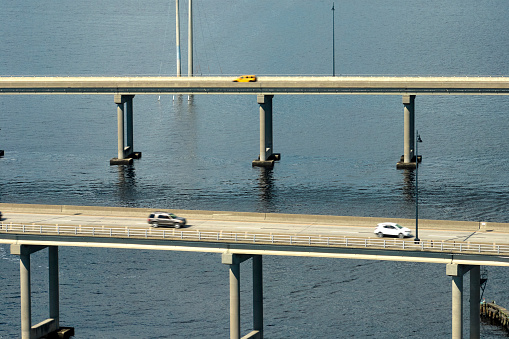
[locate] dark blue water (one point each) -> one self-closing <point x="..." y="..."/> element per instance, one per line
<point x="338" y="156"/>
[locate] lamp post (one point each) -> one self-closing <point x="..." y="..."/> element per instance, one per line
<point x="333" y="46"/>
<point x="417" y="141"/>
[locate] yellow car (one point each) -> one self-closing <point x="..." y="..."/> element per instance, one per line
<point x="246" y="78"/>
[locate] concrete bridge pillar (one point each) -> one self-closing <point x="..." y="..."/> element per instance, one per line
<point x="267" y="155"/>
<point x="54" y="289"/>
<point x="408" y="158"/>
<point x="25" y="293"/>
<point x="50" y="326"/>
<point x="456" y="272"/>
<point x="258" y="295"/>
<point x="234" y="261"/>
<point x="475" y="300"/>
<point x="125" y="153"/>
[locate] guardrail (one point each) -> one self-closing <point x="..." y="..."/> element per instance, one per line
<point x="258" y="238"/>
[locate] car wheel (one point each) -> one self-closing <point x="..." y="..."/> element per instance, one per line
<point x="401" y="235"/>
<point x="380" y="235"/>
<point x="155" y="224"/>
<point x="177" y="225"/>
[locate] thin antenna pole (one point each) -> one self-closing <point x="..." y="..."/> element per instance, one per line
<point x="177" y="20"/>
<point x="333" y="44"/>
<point x="190" y="40"/>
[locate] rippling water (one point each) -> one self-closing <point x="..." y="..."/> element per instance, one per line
<point x="338" y="156"/>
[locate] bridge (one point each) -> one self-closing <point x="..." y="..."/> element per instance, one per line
<point x="289" y="235"/>
<point x="265" y="85"/>
<point x="125" y="88"/>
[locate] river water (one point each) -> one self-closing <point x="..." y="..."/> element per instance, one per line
<point x="339" y="157"/>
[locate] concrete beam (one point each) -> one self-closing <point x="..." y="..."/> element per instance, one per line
<point x="18" y="249"/>
<point x="228" y="258"/>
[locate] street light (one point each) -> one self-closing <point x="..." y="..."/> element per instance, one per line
<point x="417" y="141"/>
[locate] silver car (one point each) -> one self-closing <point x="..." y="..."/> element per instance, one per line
<point x="166" y="219"/>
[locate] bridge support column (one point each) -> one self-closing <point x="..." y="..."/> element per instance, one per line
<point x="456" y="272"/>
<point x="50" y="325"/>
<point x="26" y="295"/>
<point x="267" y="157"/>
<point x="258" y="295"/>
<point x="125" y="153"/>
<point x="54" y="292"/>
<point x="234" y="261"/>
<point x="475" y="300"/>
<point x="408" y="158"/>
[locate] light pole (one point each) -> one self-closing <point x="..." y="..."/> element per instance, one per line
<point x="333" y="46"/>
<point x="417" y="141"/>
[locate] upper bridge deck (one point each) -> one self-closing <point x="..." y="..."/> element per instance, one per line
<point x="269" y="85"/>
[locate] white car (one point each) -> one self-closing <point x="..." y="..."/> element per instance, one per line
<point x="393" y="229"/>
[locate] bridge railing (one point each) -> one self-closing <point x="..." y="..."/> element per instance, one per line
<point x="258" y="238"/>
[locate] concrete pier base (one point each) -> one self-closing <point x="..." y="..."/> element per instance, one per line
<point x="267" y="163"/>
<point x="408" y="165"/>
<point x="117" y="161"/>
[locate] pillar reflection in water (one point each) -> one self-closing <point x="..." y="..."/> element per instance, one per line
<point x="408" y="187"/>
<point x="126" y="184"/>
<point x="266" y="189"/>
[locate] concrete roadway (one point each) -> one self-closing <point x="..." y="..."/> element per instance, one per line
<point x="256" y="227"/>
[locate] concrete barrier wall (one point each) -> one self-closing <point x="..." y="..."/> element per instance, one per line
<point x="470" y="226"/>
